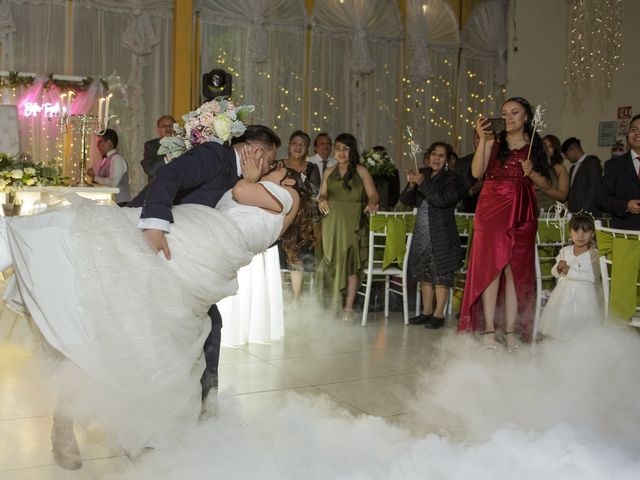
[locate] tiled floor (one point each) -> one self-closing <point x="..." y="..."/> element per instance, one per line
<point x="368" y="370"/>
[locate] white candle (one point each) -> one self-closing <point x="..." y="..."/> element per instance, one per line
<point x="69" y="99"/>
<point x="106" y="110"/>
<point x="100" y="105"/>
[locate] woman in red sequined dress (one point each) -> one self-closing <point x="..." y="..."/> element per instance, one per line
<point x="500" y="284"/>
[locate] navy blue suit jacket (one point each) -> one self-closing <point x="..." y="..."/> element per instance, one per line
<point x="201" y="175"/>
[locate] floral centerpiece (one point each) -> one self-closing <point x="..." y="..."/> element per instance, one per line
<point x="218" y="121"/>
<point x="16" y="174"/>
<point x="378" y="162"/>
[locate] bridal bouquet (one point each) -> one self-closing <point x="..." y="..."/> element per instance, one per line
<point x="216" y="121"/>
<point x="377" y="162"/>
<point x="15" y="174"/>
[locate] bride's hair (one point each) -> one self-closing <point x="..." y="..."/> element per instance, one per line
<point x="300" y="233"/>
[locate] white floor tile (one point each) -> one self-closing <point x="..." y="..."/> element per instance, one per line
<point x="377" y="396"/>
<point x="254" y="377"/>
<point x="91" y="470"/>
<point x="26" y="443"/>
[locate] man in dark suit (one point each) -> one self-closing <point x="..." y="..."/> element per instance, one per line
<point x="619" y="193"/>
<point x="470" y="186"/>
<point x="202" y="175"/>
<point x="585" y="177"/>
<point x="151" y="161"/>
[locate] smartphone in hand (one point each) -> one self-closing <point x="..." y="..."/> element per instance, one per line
<point x="496" y="124"/>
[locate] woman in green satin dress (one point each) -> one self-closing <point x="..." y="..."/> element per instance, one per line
<point x="558" y="189"/>
<point x="347" y="191"/>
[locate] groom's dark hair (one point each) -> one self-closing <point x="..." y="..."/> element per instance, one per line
<point x="259" y="134"/>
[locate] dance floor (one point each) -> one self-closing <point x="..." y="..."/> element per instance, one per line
<point x="332" y="400"/>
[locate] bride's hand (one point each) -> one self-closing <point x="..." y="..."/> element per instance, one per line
<point x="158" y="241"/>
<point x="371" y="208"/>
<point x="323" y="206"/>
<point x="250" y="164"/>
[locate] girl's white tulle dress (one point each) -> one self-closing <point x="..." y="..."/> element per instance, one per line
<point x="576" y="302"/>
<point x="124" y="327"/>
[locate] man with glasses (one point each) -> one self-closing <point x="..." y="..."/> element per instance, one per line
<point x="151" y="160"/>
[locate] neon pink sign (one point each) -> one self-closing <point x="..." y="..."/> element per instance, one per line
<point x="31" y="109"/>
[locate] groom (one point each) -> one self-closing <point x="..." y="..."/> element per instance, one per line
<point x="202" y="175"/>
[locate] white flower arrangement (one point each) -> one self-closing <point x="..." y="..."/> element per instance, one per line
<point x="15" y="175"/>
<point x="216" y="121"/>
<point x="377" y="162"/>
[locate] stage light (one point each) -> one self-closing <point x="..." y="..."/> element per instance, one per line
<point x="216" y="83"/>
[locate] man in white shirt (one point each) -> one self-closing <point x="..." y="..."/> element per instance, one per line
<point x="112" y="168"/>
<point x="322" y="148"/>
<point x="585" y="176"/>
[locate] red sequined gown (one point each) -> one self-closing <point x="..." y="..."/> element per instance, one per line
<point x="504" y="233"/>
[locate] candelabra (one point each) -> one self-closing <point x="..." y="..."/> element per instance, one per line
<point x="89" y="125"/>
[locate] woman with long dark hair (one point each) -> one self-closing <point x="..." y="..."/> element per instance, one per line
<point x="558" y="189"/>
<point x="342" y="200"/>
<point x="503" y="245"/>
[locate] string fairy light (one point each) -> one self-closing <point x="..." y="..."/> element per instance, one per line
<point x="595" y="42"/>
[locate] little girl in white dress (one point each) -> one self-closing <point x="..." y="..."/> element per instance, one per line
<point x="576" y="301"/>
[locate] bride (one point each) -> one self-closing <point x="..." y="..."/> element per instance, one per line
<point x="123" y="325"/>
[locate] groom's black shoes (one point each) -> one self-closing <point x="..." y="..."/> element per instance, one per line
<point x="208" y="381"/>
<point x="209" y="378"/>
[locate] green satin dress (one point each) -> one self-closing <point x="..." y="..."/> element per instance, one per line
<point x="545" y="201"/>
<point x="344" y="238"/>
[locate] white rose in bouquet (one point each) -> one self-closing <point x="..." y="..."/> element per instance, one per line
<point x="17" y="174"/>
<point x="29" y="171"/>
<point x="222" y="125"/>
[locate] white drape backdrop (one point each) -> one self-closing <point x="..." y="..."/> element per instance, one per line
<point x="127" y="40"/>
<point x="355" y="65"/>
<point x="360" y="78"/>
<point x="483" y="67"/>
<point x="262" y="43"/>
<point x="430" y="87"/>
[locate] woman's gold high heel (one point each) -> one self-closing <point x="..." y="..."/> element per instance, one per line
<point x="347" y="316"/>
<point x="512" y="346"/>
<point x="488" y="341"/>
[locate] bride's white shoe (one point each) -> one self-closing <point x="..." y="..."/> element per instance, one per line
<point x="64" y="445"/>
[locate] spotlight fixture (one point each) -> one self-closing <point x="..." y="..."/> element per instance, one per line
<point x="216" y="83"/>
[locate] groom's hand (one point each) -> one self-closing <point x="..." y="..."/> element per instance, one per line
<point x="251" y="163"/>
<point x="158" y="241"/>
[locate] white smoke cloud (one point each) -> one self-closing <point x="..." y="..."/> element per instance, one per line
<point x="567" y="410"/>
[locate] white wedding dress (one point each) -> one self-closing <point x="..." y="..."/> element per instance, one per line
<point x="126" y="325"/>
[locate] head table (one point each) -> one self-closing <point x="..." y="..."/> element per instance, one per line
<point x="33" y="200"/>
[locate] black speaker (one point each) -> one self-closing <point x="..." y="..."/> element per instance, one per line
<point x="216" y="83"/>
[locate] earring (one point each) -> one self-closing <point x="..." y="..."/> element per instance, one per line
<point x="446" y="166"/>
